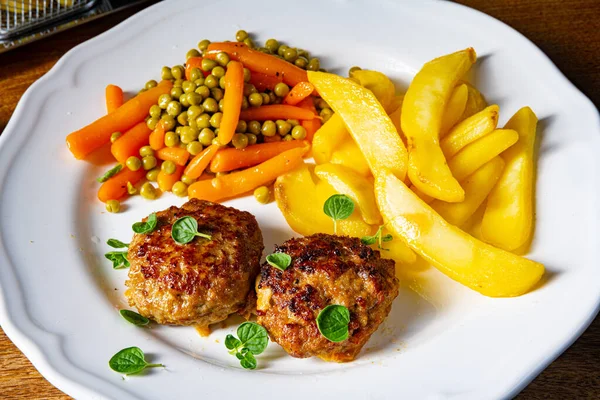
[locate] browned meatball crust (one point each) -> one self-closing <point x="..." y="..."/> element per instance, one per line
<point x="325" y="270"/>
<point x="201" y="282"/>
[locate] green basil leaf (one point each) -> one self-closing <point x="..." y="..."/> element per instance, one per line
<point x="129" y="361"/>
<point x="134" y="318"/>
<point x="279" y="260"/>
<point x="145" y="227"/>
<point x="333" y="322"/>
<point x="231" y="342"/>
<point x="185" y="229"/>
<point x="253" y="337"/>
<point x="117" y="244"/>
<point x="247" y="359"/>
<point x="368" y="240"/>
<point x="338" y="206"/>
<point x="387" y="238"/>
<point x="110" y="173"/>
<point x="118" y="258"/>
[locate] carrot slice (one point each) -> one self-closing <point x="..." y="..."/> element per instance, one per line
<point x="311" y="125"/>
<point x="229" y="159"/>
<point x="116" y="187"/>
<point x="96" y="134"/>
<point x="258" y="61"/>
<point x="178" y="155"/>
<point x="157" y="137"/>
<point x="237" y="183"/>
<point x="264" y="82"/>
<point x="114" y="98"/>
<point x="298" y="93"/>
<point x="131" y="142"/>
<point x="232" y="101"/>
<point x="199" y="163"/>
<point x="276" y="111"/>
<point x="166" y="181"/>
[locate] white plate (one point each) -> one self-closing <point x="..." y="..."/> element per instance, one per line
<point x="59" y="296"/>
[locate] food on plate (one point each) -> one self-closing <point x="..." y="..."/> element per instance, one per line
<point x="201" y="282"/>
<point x="475" y="101"/>
<point x="422" y="111"/>
<point x="477" y="265"/>
<point x="508" y="219"/>
<point x="327" y="276"/>
<point x="114" y="98"/>
<point x="454" y="109"/>
<point x="469" y="130"/>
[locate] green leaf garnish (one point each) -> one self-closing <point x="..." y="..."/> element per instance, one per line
<point x="185" y="229"/>
<point x="247" y="359"/>
<point x="338" y="206"/>
<point x="377" y="238"/>
<point x="134" y="318"/>
<point x="110" y="173"/>
<point x="130" y="360"/>
<point x="118" y="258"/>
<point x="279" y="260"/>
<point x="253" y="340"/>
<point x="333" y="321"/>
<point x="117" y="244"/>
<point x="145" y="227"/>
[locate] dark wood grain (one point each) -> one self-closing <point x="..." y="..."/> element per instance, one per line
<point x="567" y="31"/>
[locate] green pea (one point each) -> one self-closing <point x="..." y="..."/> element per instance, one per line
<point x="192" y="124"/>
<point x="168" y="167"/>
<point x="299" y="132"/>
<point x="222" y="58"/>
<point x="272" y="45"/>
<point x="301" y="62"/>
<point x="171" y="139"/>
<point x="192" y="53"/>
<point x="320" y="104"/>
<point x="210" y="105"/>
<point x="239" y="141"/>
<point x="149" y="162"/>
<point x="215" y="120"/>
<point x="313" y="65"/>
<point x="115" y="136"/>
<point x="198" y="81"/>
<point x="177" y="82"/>
<point x="176" y="93"/>
<point x="254" y="127"/>
<point x="178" y="72"/>
<point x="173" y="108"/>
<point x="155" y="111"/>
<point x="269" y="128"/>
<point x="273" y="97"/>
<point x="187" y="180"/>
<point x="264" y="50"/>
<point x="203" y="45"/>
<point x="182" y="118"/>
<point x="194" y="112"/>
<point x="188" y="134"/>
<point x="148" y="191"/>
<point x="203" y="91"/>
<point x="113" y="206"/>
<point x="206" y="136"/>
<point x="249" y="89"/>
<point x="178" y="130"/>
<point x="179" y="189"/>
<point x="218" y="72"/>
<point x="241" y="126"/>
<point x="302" y="53"/>
<point x="352" y="69"/>
<point x="290" y="54"/>
<point x="203" y="121"/>
<point x="164" y="100"/>
<point x="241" y="35"/>
<point x="211" y="81"/>
<point x="133" y="163"/>
<point x="184" y="100"/>
<point x="188" y="86"/>
<point x="255" y="99"/>
<point x="221" y="105"/>
<point x="151" y="123"/>
<point x="252" y="139"/>
<point x="150" y="84"/>
<point x="194" y="99"/>
<point x="326" y="113"/>
<point x="266" y="99"/>
<point x="207" y="64"/>
<point x="146" y="151"/>
<point x="293" y="122"/>
<point x="249" y="42"/>
<point x="168" y="122"/>
<point x="262" y="194"/>
<point x="152" y="175"/>
<point x="245" y="103"/>
<point x="165" y="73"/>
<point x="287" y="138"/>
<point x="215" y="141"/>
<point x="281" y="89"/>
<point x="222" y="82"/>
<point x="194" y="147"/>
<point x="283" y="127"/>
<point x="281" y="49"/>
<point x="247" y="75"/>
<point x="217" y="93"/>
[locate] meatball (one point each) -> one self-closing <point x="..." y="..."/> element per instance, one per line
<point x="325" y="270"/>
<point x="201" y="282"/>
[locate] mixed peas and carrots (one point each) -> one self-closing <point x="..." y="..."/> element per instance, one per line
<point x="232" y="106"/>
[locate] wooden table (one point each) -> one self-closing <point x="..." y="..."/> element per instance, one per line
<point x="568" y="31"/>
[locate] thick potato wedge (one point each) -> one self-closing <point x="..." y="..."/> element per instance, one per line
<point x="473" y="156"/>
<point x="508" y="219"/>
<point x="300" y="196"/>
<point x="454" y="109"/>
<point x="477" y="186"/>
<point x="360" y="189"/>
<point x="349" y="155"/>
<point x="422" y="112"/>
<point x="470" y="130"/>
<point x="477" y="265"/>
<point x="366" y="120"/>
<point x="475" y="102"/>
<point x="381" y="86"/>
<point x="329" y="137"/>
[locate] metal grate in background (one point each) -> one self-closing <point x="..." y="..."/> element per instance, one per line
<point x="18" y="16"/>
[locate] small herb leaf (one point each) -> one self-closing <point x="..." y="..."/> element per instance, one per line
<point x="338" y="206"/>
<point x="118" y="258"/>
<point x="145" y="227"/>
<point x="279" y="260"/>
<point x="387" y="238"/>
<point x="129" y="361"/>
<point x="185" y="229"/>
<point x="117" y="244"/>
<point x="377" y="238"/>
<point x="247" y="359"/>
<point x="134" y="318"/>
<point x="253" y="337"/>
<point x="368" y="240"/>
<point x="110" y="173"/>
<point x="333" y="322"/>
<point x="231" y="342"/>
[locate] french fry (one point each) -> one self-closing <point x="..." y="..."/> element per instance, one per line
<point x="470" y="130"/>
<point x="475" y="102"/>
<point x="378" y="83"/>
<point x="329" y="137"/>
<point x="508" y="219"/>
<point x="349" y="154"/>
<point x="422" y="112"/>
<point x="454" y="109"/>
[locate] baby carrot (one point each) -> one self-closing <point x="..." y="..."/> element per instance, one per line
<point x="229" y="159"/>
<point x="114" y="98"/>
<point x="258" y="61"/>
<point x="176" y="154"/>
<point x="232" y="101"/>
<point x="96" y="134"/>
<point x="130" y="143"/>
<point x="199" y="163"/>
<point x="116" y="186"/>
<point x="241" y="182"/>
<point x="166" y="181"/>
<point x="263" y="82"/>
<point x="276" y="111"/>
<point x="298" y="93"/>
<point x="311" y="125"/>
<point x="157" y="137"/>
